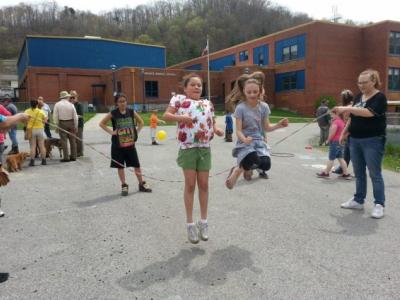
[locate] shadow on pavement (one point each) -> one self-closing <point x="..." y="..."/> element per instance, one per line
<point x="99" y="200"/>
<point x="221" y="263"/>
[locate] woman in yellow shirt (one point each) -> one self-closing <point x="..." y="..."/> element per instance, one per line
<point x="36" y="125"/>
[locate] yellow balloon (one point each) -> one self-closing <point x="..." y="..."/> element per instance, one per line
<point x="161" y="135"/>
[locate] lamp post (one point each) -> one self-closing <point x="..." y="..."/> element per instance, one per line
<point x="113" y="68"/>
<point x="143" y="91"/>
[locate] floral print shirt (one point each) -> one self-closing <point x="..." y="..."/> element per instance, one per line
<point x="200" y="132"/>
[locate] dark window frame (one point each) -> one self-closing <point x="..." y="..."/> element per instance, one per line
<point x="289" y="82"/>
<point x="151" y="88"/>
<point x="244" y="55"/>
<point x="394" y="79"/>
<point x="394" y="43"/>
<point x="260" y="58"/>
<point x="292" y="53"/>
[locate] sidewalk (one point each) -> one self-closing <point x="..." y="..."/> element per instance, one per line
<point x="93" y="123"/>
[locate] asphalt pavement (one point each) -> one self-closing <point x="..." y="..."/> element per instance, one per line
<point x="68" y="234"/>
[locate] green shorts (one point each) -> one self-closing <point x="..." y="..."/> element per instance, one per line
<point x="198" y="159"/>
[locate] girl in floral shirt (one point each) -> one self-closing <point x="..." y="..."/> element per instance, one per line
<point x="196" y="128"/>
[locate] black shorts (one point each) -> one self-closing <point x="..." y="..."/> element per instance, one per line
<point x="126" y="156"/>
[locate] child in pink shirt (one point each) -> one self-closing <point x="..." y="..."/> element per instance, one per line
<point x="335" y="148"/>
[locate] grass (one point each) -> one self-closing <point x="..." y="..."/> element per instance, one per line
<point x="277" y="114"/>
<point x="391" y="160"/>
<point x="86" y="117"/>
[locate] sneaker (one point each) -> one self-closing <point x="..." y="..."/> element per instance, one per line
<point x="351" y="204"/>
<point x="345" y="176"/>
<point x="144" y="187"/>
<point x="155" y="143"/>
<point x="32" y="163"/>
<point x="193" y="236"/>
<point x="263" y="174"/>
<point x="322" y="175"/>
<point x="377" y="212"/>
<point x="2" y="213"/>
<point x="124" y="189"/>
<point x="203" y="230"/>
<point x="44" y="162"/>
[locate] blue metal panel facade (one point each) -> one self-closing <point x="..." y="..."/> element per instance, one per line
<point x="22" y="61"/>
<point x="220" y="63"/>
<point x="297" y="76"/>
<point x="92" y="54"/>
<point x="194" y="67"/>
<point x="261" y="52"/>
<point x="299" y="40"/>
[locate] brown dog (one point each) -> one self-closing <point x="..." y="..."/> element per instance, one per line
<point x="15" y="161"/>
<point x="49" y="144"/>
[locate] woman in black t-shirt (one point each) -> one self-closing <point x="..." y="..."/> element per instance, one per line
<point x="367" y="129"/>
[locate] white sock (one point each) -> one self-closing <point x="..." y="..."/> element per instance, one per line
<point x="190" y="224"/>
<point x="203" y="221"/>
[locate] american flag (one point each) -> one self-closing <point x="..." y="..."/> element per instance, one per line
<point x="205" y="50"/>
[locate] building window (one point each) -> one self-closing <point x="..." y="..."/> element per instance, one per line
<point x="289" y="53"/>
<point x="151" y="88"/>
<point x="394" y="43"/>
<point x="290" y="49"/>
<point x="394" y="79"/>
<point x="244" y="55"/>
<point x="119" y="87"/>
<point x="290" y="81"/>
<point x="260" y="55"/>
<point x="261" y="58"/>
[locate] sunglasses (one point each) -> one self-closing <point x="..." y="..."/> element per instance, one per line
<point x="71" y="97"/>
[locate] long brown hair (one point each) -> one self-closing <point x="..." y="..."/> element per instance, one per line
<point x="237" y="93"/>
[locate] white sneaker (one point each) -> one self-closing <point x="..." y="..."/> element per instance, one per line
<point x="2" y="213"/>
<point x="351" y="204"/>
<point x="193" y="235"/>
<point x="377" y="212"/>
<point x="203" y="230"/>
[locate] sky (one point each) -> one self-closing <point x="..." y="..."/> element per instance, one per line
<point x="356" y="10"/>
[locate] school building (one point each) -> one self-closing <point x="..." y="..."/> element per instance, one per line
<point x="301" y="64"/>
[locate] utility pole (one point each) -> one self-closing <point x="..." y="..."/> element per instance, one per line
<point x="335" y="14"/>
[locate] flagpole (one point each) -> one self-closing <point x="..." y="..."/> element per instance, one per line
<point x="208" y="70"/>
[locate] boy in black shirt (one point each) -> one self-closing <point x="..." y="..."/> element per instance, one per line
<point x="124" y="136"/>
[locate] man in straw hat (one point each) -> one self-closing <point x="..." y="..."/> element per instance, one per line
<point x="66" y="118"/>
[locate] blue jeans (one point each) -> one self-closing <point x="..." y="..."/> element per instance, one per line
<point x="368" y="152"/>
<point x="13" y="136"/>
